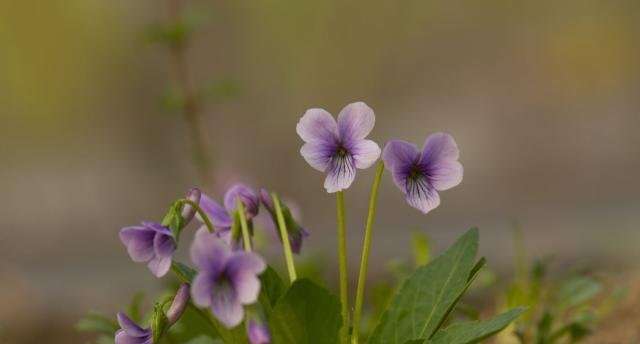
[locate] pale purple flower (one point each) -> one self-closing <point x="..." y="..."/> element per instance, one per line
<point x="258" y="332"/>
<point x="151" y="243"/>
<point x="178" y="305"/>
<point x="132" y="333"/>
<point x="421" y="174"/>
<point x="222" y="217"/>
<point x="227" y="280"/>
<point x="296" y="232"/>
<point x="188" y="210"/>
<point x="338" y="148"/>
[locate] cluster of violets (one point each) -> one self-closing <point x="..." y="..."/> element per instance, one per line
<point x="228" y="270"/>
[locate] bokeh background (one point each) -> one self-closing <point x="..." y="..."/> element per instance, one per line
<point x="541" y="96"/>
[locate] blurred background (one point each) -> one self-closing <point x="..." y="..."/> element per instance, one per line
<point x="541" y="96"/>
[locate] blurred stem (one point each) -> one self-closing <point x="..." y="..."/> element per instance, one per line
<point x="286" y="245"/>
<point x="342" y="265"/>
<point x="246" y="239"/>
<point x="366" y="245"/>
<point x="191" y="108"/>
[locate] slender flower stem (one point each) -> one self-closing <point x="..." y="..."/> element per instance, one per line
<point x="366" y="245"/>
<point x="286" y="245"/>
<point x="201" y="212"/>
<point x="246" y="239"/>
<point x="179" y="70"/>
<point x="342" y="264"/>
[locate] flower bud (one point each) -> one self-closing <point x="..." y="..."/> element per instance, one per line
<point x="188" y="211"/>
<point x="179" y="304"/>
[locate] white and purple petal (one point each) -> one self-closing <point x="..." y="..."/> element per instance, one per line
<point x="130" y="327"/>
<point x="202" y="288"/>
<point x="421" y="195"/>
<point x="209" y="252"/>
<point x="355" y="122"/>
<point x="439" y="147"/>
<point x="365" y="153"/>
<point x="340" y="173"/>
<point x="318" y="154"/>
<point x="139" y="242"/>
<point x="317" y="126"/>
<point x="225" y="305"/>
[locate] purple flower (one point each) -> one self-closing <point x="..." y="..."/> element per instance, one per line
<point x="222" y="217"/>
<point x="131" y="333"/>
<point x="226" y="279"/>
<point x="187" y="210"/>
<point x="151" y="243"/>
<point x="296" y="232"/>
<point x="258" y="333"/>
<point x="338" y="148"/>
<point x="420" y="175"/>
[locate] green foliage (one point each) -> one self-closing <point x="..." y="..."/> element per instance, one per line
<point x="475" y="331"/>
<point x="307" y="313"/>
<point x="97" y="323"/>
<point x="421" y="248"/>
<point x="428" y="295"/>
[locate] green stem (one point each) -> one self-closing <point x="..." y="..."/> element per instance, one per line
<point x="366" y="246"/>
<point x="286" y="245"/>
<point x="246" y="239"/>
<point x="201" y="212"/>
<point x="342" y="265"/>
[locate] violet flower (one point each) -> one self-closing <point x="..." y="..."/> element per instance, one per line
<point x="227" y="280"/>
<point x="179" y="304"/>
<point x="420" y="175"/>
<point x="258" y="333"/>
<point x="338" y="148"/>
<point x="151" y="243"/>
<point x="296" y="232"/>
<point x="222" y="217"/>
<point x="132" y="333"/>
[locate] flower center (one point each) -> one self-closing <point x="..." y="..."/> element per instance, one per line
<point x="415" y="173"/>
<point x="342" y="152"/>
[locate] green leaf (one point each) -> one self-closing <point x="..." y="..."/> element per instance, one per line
<point x="429" y="294"/>
<point x="307" y="313"/>
<point x="134" y="310"/>
<point x="474" y="331"/>
<point x="183" y="271"/>
<point x="271" y="287"/>
<point x="578" y="290"/>
<point x="95" y="322"/>
<point x="173" y="219"/>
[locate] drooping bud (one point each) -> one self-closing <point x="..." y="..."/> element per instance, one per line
<point x="188" y="211"/>
<point x="179" y="304"/>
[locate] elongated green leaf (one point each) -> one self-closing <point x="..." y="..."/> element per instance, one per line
<point x="428" y="295"/>
<point x="474" y="331"/>
<point x="306" y="314"/>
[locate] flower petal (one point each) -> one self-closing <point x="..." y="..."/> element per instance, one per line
<point x="225" y="306"/>
<point x="355" y="122"/>
<point x="208" y="252"/>
<point x="421" y="195"/>
<point x="159" y="266"/>
<point x="317" y="125"/>
<point x="399" y="153"/>
<point x="202" y="288"/>
<point x="163" y="245"/>
<point x="318" y="155"/>
<point x="365" y="153"/>
<point x="217" y="214"/>
<point x="296" y="239"/>
<point x="139" y="242"/>
<point x="439" y="147"/>
<point x="247" y="196"/>
<point x="242" y="270"/>
<point x="130" y="327"/>
<point x="446" y="174"/>
<point x="258" y="333"/>
<point x="122" y="337"/>
<point x="341" y="173"/>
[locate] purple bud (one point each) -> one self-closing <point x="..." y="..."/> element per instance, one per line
<point x="258" y="333"/>
<point x="179" y="304"/>
<point x="188" y="211"/>
<point x="131" y="333"/>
